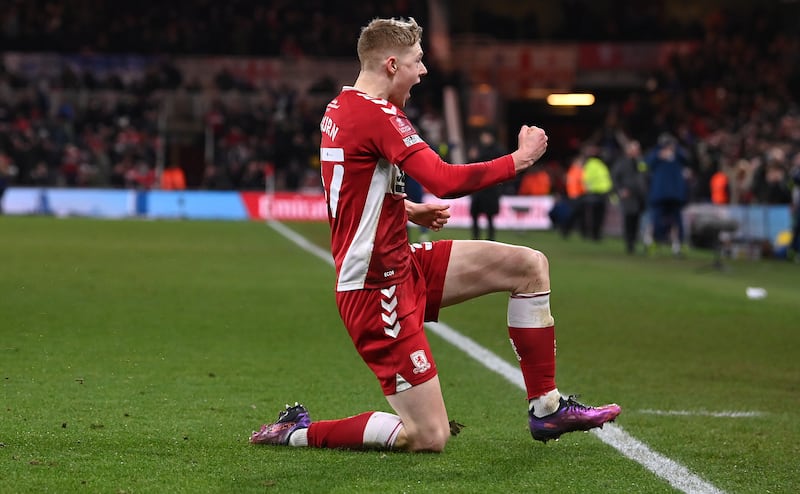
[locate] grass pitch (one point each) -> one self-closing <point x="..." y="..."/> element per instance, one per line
<point x="137" y="356"/>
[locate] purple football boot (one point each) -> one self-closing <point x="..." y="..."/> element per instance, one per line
<point x="570" y="416"/>
<point x="278" y="432"/>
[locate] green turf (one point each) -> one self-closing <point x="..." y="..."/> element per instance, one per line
<point x="137" y="356"/>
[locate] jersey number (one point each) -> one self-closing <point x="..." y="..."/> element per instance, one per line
<point x="336" y="188"/>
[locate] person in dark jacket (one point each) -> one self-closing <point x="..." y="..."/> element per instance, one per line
<point x="630" y="184"/>
<point x="485" y="202"/>
<point x="669" y="190"/>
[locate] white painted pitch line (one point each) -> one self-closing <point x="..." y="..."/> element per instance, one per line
<point x="726" y="414"/>
<point x="674" y="473"/>
<point x="301" y="241"/>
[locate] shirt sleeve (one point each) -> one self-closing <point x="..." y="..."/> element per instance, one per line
<point x="447" y="180"/>
<point x="394" y="136"/>
<point x="397" y="140"/>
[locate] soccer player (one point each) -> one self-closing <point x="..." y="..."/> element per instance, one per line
<point x="386" y="288"/>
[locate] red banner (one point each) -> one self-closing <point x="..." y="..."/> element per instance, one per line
<point x="629" y="56"/>
<point x="285" y="206"/>
<point x="516" y="212"/>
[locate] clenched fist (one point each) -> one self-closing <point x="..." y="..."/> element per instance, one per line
<point x="531" y="145"/>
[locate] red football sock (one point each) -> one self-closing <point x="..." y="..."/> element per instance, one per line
<point x="536" y="350"/>
<point x="342" y="433"/>
<point x="363" y="431"/>
<point x="532" y="333"/>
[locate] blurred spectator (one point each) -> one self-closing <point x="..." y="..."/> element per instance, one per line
<point x="40" y="175"/>
<point x="432" y="127"/>
<point x="70" y="165"/>
<point x="485" y="202"/>
<point x="597" y="183"/>
<point x="252" y="176"/>
<point x="774" y="186"/>
<point x="720" y="188"/>
<point x="668" y="192"/>
<point x="140" y="176"/>
<point x="173" y="178"/>
<point x="535" y="182"/>
<point x="215" y="179"/>
<point x="742" y="183"/>
<point x="629" y="176"/>
<point x="569" y="210"/>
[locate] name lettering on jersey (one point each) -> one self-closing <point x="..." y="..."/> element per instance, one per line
<point x="328" y="127"/>
<point x="386" y="274"/>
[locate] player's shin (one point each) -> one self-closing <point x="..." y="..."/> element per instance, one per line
<point x="532" y="334"/>
<point x="369" y="430"/>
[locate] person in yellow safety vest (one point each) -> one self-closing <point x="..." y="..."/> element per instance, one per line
<point x="597" y="182"/>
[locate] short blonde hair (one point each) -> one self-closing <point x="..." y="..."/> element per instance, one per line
<point x="382" y="35"/>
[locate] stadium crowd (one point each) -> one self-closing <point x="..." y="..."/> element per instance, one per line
<point x="732" y="105"/>
<point x="326" y="27"/>
<point x="189" y="27"/>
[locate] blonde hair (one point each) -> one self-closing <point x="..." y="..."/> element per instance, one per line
<point x="382" y="35"/>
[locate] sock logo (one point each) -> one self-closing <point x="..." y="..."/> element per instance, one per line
<point x="420" y="361"/>
<point x="389" y="314"/>
<point x="514" y="347"/>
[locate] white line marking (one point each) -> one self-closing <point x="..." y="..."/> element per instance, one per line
<point x="301" y="241"/>
<point x="674" y="473"/>
<point x="677" y="475"/>
<point x="728" y="414"/>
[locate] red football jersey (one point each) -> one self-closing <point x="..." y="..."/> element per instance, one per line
<point x="364" y="139"/>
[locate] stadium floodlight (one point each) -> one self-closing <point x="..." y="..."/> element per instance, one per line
<point x="570" y="99"/>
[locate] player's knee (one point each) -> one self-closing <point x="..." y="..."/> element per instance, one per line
<point x="534" y="264"/>
<point x="430" y="441"/>
<point x="543" y="264"/>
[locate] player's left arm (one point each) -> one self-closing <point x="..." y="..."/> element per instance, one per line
<point x="448" y="180"/>
<point x="432" y="216"/>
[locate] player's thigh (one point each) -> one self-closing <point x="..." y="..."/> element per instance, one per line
<point x="424" y="416"/>
<point x="479" y="267"/>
